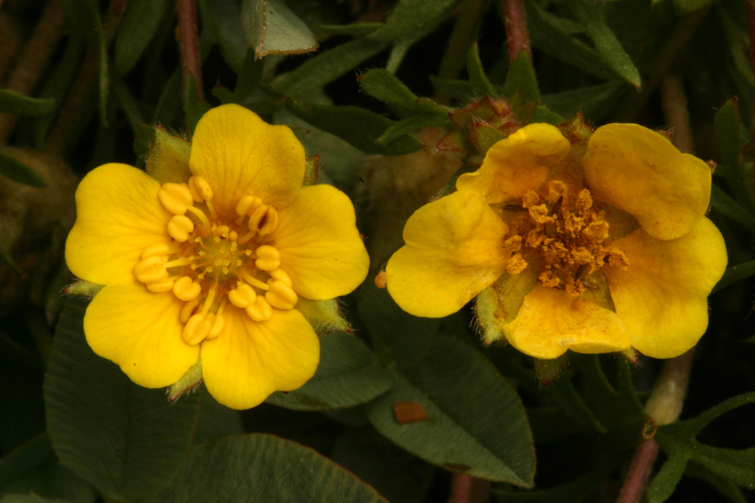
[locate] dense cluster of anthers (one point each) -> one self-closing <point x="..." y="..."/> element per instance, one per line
<point x="214" y="260"/>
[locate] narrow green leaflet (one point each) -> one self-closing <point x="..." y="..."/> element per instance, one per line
<point x="724" y="203"/>
<point x="29" y="498"/>
<point x="224" y="17"/>
<point x="327" y="66"/>
<point x="355" y="29"/>
<point x="386" y="87"/>
<point x="249" y="76"/>
<point x="520" y="87"/>
<point x="413" y="123"/>
<point x="14" y="103"/>
<point x="480" y="83"/>
<point x="35" y="468"/>
<point x="272" y="28"/>
<point x="359" y="127"/>
<point x="348" y="375"/>
<point x="410" y="16"/>
<point x="729" y="132"/>
<point x="726" y="487"/>
<point x="551" y="38"/>
<point x="594" y="102"/>
<point x="260" y="468"/>
<point x="125" y="440"/>
<point x="678" y="441"/>
<point x="194" y="106"/>
<point x="685" y="6"/>
<point x="19" y="172"/>
<point x="455" y="410"/>
<point x="736" y="273"/>
<point x="215" y="420"/>
<point x="606" y="43"/>
<point x="138" y="26"/>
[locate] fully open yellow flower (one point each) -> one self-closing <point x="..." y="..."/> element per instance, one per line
<point x="215" y="266"/>
<point x="591" y="246"/>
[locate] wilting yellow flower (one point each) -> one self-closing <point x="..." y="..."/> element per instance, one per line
<point x="593" y="246"/>
<point x="214" y="267"/>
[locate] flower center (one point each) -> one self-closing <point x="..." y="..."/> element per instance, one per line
<point x="213" y="260"/>
<point x="565" y="234"/>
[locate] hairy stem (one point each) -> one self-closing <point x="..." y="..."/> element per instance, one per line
<point x="189" y="42"/>
<point x="33" y="60"/>
<point x="518" y="38"/>
<point x="675" y="111"/>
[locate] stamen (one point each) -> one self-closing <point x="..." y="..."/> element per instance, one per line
<point x="268" y="258"/>
<point x="269" y="222"/>
<point x="159" y="249"/>
<point x="151" y="270"/>
<point x="175" y="197"/>
<point x="243" y="296"/>
<point x="210" y="298"/>
<point x="280" y="275"/>
<point x="160" y="287"/>
<point x="200" y="189"/>
<point x="179" y="228"/>
<point x="281" y="295"/>
<point x="202" y="218"/>
<point x="186" y="289"/>
<point x="246" y="206"/>
<point x="252" y="280"/>
<point x="260" y="310"/>
<point x="188" y="309"/>
<point x="180" y="261"/>
<point x="196" y="329"/>
<point x="217" y="326"/>
<point x="256" y="218"/>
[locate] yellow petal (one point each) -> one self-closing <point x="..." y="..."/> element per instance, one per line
<point x="453" y="250"/>
<point x="249" y="360"/>
<point x="517" y="164"/>
<point x="551" y="321"/>
<point x="140" y="331"/>
<point x="119" y="215"/>
<point x="239" y="154"/>
<point x="662" y="297"/>
<point x="642" y="173"/>
<point x="319" y="244"/>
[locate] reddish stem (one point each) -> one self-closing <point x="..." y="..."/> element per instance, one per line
<point x="639" y="471"/>
<point x="516" y="28"/>
<point x="468" y="489"/>
<point x="33" y="59"/>
<point x="750" y="15"/>
<point x="189" y="41"/>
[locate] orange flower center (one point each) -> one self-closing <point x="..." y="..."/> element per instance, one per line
<point x="213" y="260"/>
<point x="564" y="234"/>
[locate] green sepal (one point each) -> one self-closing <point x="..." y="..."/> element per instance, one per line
<point x="549" y="370"/>
<point x="484" y="136"/>
<point x="521" y="81"/>
<point x="576" y="130"/>
<point x="455" y="141"/>
<point x="82" y="288"/>
<point x="324" y="315"/>
<point x="498" y="304"/>
<point x="480" y="82"/>
<point x="311" y="170"/>
<point x="188" y="382"/>
<point x="168" y="158"/>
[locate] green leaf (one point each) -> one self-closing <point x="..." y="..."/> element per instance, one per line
<point x="521" y="82"/>
<point x="354" y="29"/>
<point x="259" y="468"/>
<point x="608" y="46"/>
<point x="216" y="420"/>
<point x="723" y="202"/>
<point x="409" y="16"/>
<point x="549" y="36"/>
<point x="249" y="76"/>
<point x="595" y="102"/>
<point x="723" y="485"/>
<point x="28" y="498"/>
<point x="577" y="490"/>
<point x="272" y="28"/>
<point x="465" y="416"/>
<point x="729" y="132"/>
<point x="19" y="172"/>
<point x="664" y="483"/>
<point x="194" y="105"/>
<point x="394" y="332"/>
<point x="224" y="16"/>
<point x="327" y="66"/>
<point x="480" y="83"/>
<point x="137" y="28"/>
<point x="348" y="375"/>
<point x="734" y="274"/>
<point x="14" y="103"/>
<point x="359" y="127"/>
<point x="685" y="6"/>
<point x="35" y="468"/>
<point x="413" y="123"/>
<point x="126" y="440"/>
<point x="386" y="87"/>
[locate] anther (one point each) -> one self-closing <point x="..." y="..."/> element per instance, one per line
<point x="280" y="275"/>
<point x="151" y="270"/>
<point x="196" y="329"/>
<point x="179" y="228"/>
<point x="175" y="197"/>
<point x="200" y="189"/>
<point x="252" y="280"/>
<point x="161" y="286"/>
<point x="268" y="258"/>
<point x="186" y="289"/>
<point x="188" y="309"/>
<point x="217" y="326"/>
<point x="243" y="296"/>
<point x="246" y="206"/>
<point x="269" y="222"/>
<point x="281" y="295"/>
<point x="260" y="310"/>
<point x="256" y="218"/>
<point x="159" y="249"/>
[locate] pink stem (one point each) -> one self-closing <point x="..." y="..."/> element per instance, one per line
<point x="189" y="41"/>
<point x="516" y="28"/>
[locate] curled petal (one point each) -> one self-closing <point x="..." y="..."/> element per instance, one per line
<point x="140" y="332"/>
<point x="320" y="247"/>
<point x="454" y="249"/>
<point x="249" y="360"/>
<point x="662" y="297"/>
<point x="239" y="154"/>
<point x="551" y="321"/>
<point x="517" y="164"/>
<point x="119" y="215"/>
<point x="642" y="173"/>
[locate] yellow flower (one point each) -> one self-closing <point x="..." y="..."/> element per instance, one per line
<point x="215" y="267"/>
<point x="591" y="246"/>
